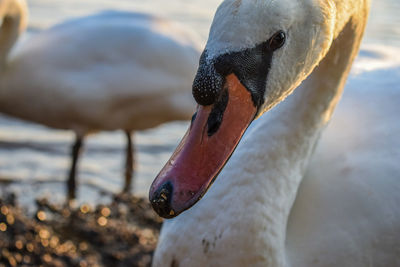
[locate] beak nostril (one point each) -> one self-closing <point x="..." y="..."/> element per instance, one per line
<point x="215" y="119"/>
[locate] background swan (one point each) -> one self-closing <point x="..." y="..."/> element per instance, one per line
<point x="346" y="212"/>
<point x="113" y="70"/>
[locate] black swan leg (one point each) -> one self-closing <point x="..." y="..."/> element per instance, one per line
<point x="129" y="163"/>
<point x="75" y="152"/>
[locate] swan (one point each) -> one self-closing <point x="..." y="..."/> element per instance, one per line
<point x="108" y="71"/>
<point x="276" y="203"/>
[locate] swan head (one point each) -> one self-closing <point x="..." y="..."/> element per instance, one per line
<point x="14" y="21"/>
<point x="257" y="53"/>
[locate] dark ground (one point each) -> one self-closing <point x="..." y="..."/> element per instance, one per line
<point x="123" y="233"/>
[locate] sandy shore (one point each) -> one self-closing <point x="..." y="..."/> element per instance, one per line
<point x="122" y="233"/>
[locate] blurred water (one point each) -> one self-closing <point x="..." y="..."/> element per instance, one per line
<point x="34" y="159"/>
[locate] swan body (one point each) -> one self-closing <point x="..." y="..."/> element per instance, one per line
<point x="109" y="71"/>
<point x="346" y="212"/>
<point x="283" y="199"/>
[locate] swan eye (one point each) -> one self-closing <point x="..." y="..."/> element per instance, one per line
<point x="277" y="40"/>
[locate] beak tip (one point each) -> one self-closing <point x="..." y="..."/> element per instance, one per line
<point x="161" y="201"/>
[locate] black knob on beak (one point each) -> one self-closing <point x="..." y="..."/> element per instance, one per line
<point x="208" y="83"/>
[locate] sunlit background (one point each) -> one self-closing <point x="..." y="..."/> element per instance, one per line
<point x="34" y="160"/>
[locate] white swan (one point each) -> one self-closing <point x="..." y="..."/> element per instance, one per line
<point x="113" y="70"/>
<point x="347" y="208"/>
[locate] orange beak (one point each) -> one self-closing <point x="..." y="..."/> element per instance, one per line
<point x="201" y="156"/>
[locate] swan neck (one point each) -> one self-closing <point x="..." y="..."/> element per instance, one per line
<point x="310" y="108"/>
<point x="14" y="15"/>
<point x="280" y="144"/>
<point x="315" y="100"/>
